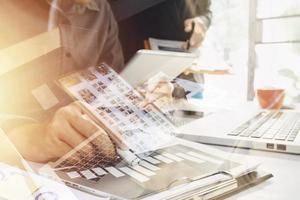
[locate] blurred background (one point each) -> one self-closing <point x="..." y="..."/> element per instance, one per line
<point x="259" y="39"/>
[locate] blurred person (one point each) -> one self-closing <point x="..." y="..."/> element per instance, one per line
<point x="170" y="20"/>
<point x="44" y="125"/>
<point x="174" y="19"/>
<point x="89" y="33"/>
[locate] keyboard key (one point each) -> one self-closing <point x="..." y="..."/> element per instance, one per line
<point x="271" y="125"/>
<point x="73" y="175"/>
<point x="206" y="158"/>
<point x="134" y="174"/>
<point x="115" y="172"/>
<point x="268" y="136"/>
<point x="88" y="174"/>
<point x="190" y="158"/>
<point x="99" y="171"/>
<point x="246" y="133"/>
<point x="291" y="139"/>
<point x="143" y="170"/>
<point x="149" y="166"/>
<point x="257" y="134"/>
<point x="234" y="133"/>
<point x="173" y="157"/>
<point x="152" y="160"/>
<point x="163" y="159"/>
<point x="280" y="137"/>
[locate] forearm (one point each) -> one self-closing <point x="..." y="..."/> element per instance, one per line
<point x="31" y="141"/>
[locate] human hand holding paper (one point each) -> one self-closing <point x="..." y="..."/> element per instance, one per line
<point x="197" y="29"/>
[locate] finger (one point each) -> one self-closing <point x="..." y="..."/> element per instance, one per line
<point x="188" y="71"/>
<point x="78" y="107"/>
<point x="193" y="40"/>
<point x="165" y="88"/>
<point x="61" y="149"/>
<point x="196" y="40"/>
<point x="73" y="139"/>
<point x="87" y="128"/>
<point x="155" y="98"/>
<point x="75" y="118"/>
<point x="161" y="85"/>
<point x="84" y="126"/>
<point x="155" y="85"/>
<point x="199" y="35"/>
<point x="200" y="28"/>
<point x="69" y="139"/>
<point x="188" y="25"/>
<point x="71" y="136"/>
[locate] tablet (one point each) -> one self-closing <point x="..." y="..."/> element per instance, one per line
<point x="147" y="63"/>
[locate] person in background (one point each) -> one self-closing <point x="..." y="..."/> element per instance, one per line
<point x="44" y="124"/>
<point x="89" y="33"/>
<point x="173" y="20"/>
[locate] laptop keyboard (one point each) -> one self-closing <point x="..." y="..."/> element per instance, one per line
<point x="87" y="158"/>
<point x="273" y="125"/>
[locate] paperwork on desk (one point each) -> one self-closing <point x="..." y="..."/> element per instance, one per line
<point x="16" y="184"/>
<point x="200" y="171"/>
<point x="18" y="181"/>
<point x="209" y="61"/>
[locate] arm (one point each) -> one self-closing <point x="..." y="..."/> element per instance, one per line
<point x="197" y="8"/>
<point x="43" y="142"/>
<point x="197" y="12"/>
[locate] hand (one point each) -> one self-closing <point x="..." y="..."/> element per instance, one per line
<point x="159" y="90"/>
<point x="199" y="31"/>
<point x="67" y="129"/>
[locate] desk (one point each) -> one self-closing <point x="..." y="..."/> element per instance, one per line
<point x="285" y="169"/>
<point x="284" y="184"/>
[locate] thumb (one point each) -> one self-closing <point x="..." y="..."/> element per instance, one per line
<point x="188" y="25"/>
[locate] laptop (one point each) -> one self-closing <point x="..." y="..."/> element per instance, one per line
<point x="248" y="127"/>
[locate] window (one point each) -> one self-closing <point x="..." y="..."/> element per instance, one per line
<point x="228" y="35"/>
<point x="275" y="53"/>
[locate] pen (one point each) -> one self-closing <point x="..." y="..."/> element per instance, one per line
<point x="129" y="157"/>
<point x="190" y="36"/>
